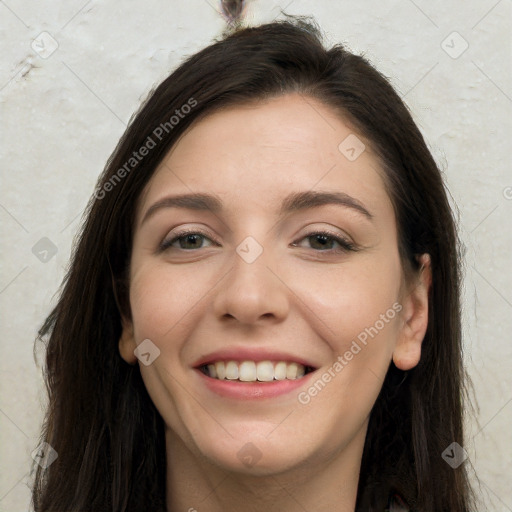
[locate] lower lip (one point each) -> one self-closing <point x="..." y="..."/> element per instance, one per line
<point x="253" y="390"/>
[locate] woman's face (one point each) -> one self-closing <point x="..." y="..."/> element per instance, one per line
<point x="254" y="291"/>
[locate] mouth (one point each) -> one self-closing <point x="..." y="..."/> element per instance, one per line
<point x="255" y="371"/>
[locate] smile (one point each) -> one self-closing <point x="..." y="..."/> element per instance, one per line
<point x="252" y="371"/>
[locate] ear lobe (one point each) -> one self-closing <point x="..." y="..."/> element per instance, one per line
<point x="407" y="351"/>
<point x="127" y="343"/>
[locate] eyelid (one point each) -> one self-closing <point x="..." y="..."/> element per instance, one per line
<point x="327" y="231"/>
<point x="346" y="243"/>
<point x="170" y="239"/>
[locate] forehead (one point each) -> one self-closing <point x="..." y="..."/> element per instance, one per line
<point x="254" y="155"/>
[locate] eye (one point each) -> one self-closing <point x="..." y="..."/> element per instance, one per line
<point x="191" y="239"/>
<point x="323" y="239"/>
<point x="188" y="240"/>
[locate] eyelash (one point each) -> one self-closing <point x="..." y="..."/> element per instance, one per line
<point x="345" y="244"/>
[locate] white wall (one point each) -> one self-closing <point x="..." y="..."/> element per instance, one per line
<point x="62" y="116"/>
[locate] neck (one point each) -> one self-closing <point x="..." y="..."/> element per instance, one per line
<point x="194" y="484"/>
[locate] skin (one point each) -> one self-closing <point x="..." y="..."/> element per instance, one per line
<point x="304" y="299"/>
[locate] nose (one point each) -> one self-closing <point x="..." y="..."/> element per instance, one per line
<point x="252" y="291"/>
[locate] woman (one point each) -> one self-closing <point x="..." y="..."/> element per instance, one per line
<point x="212" y="350"/>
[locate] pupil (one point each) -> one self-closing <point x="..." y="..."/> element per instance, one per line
<point x="323" y="239"/>
<point x="191" y="239"/>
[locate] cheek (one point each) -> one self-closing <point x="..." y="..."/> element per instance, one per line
<point x="165" y="303"/>
<point x="356" y="310"/>
<point x="353" y="299"/>
<point x="359" y="317"/>
<point x="163" y="299"/>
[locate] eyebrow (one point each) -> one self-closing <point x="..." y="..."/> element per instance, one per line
<point x="295" y="201"/>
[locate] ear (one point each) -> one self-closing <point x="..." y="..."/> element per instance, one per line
<point x="127" y="343"/>
<point x="407" y="351"/>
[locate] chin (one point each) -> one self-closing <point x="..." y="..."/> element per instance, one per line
<point x="266" y="466"/>
<point x="257" y="458"/>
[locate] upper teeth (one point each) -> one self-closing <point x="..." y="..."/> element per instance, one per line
<point x="250" y="371"/>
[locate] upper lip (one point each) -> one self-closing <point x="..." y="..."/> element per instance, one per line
<point x="250" y="354"/>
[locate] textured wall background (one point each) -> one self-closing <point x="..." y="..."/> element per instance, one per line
<point x="73" y="73"/>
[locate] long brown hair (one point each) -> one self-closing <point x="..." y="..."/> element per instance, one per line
<point x="100" y="419"/>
